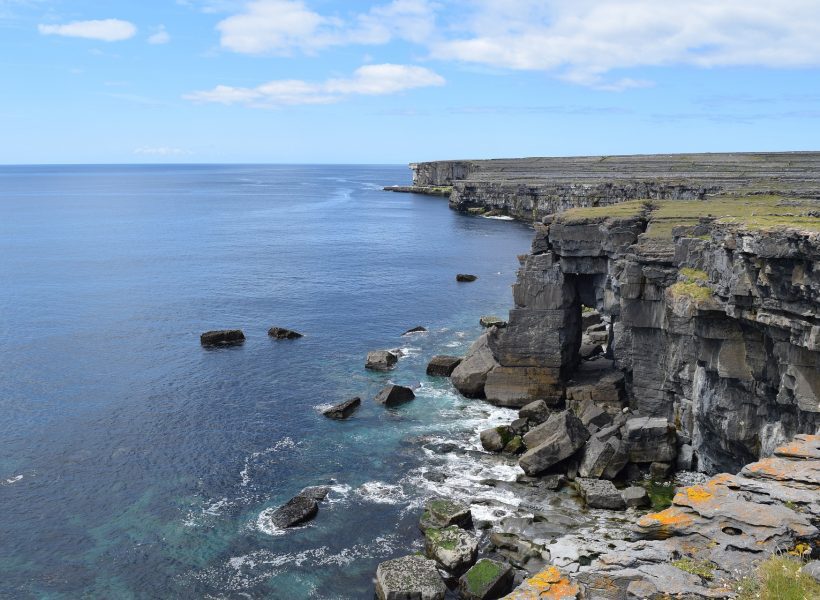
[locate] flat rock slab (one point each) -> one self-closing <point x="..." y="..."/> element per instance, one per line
<point x="803" y="446"/>
<point x="393" y="395"/>
<point x="344" y="409"/>
<point x="222" y="337"/>
<point x="295" y="511"/>
<point x="486" y="580"/>
<point x="381" y="360"/>
<point x="550" y="583"/>
<point x="409" y="578"/>
<point x="442" y="365"/>
<point x="443" y="512"/>
<point x="452" y="548"/>
<point x="280" y="333"/>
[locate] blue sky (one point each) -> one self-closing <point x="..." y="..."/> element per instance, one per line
<point x="393" y="81"/>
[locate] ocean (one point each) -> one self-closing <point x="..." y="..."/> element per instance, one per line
<point x="136" y="464"/>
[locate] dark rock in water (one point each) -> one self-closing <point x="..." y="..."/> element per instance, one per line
<point x="559" y="438"/>
<point x="490" y="321"/>
<point x="470" y="376"/>
<point x="224" y="337"/>
<point x="650" y="440"/>
<point x="442" y="365"/>
<point x="393" y="395"/>
<point x="535" y="412"/>
<point x="635" y="497"/>
<point x="297" y="510"/>
<point x="486" y="580"/>
<point x="495" y="438"/>
<point x="381" y="360"/>
<point x="317" y="492"/>
<point x="409" y="578"/>
<point x="465" y="277"/>
<point x="280" y="333"/>
<point x="418" y="329"/>
<point x="451" y="547"/>
<point x="343" y="410"/>
<point x="600" y="493"/>
<point x="442" y="512"/>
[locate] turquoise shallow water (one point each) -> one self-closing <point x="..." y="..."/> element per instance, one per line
<point x="135" y="464"/>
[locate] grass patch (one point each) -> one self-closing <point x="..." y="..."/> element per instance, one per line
<point x="621" y="210"/>
<point x="482" y="574"/>
<point x="778" y="578"/>
<point x="694" y="275"/>
<point x="446" y="538"/>
<point x="691" y="290"/>
<point x="701" y="568"/>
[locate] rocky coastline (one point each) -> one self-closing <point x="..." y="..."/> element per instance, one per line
<point x="664" y="338"/>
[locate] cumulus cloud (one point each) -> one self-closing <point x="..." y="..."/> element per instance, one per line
<point x="285" y="26"/>
<point x="586" y="40"/>
<point x="369" y="80"/>
<point x="104" y="30"/>
<point x="160" y="36"/>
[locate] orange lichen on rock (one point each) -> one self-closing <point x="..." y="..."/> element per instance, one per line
<point x="549" y="584"/>
<point x="669" y="517"/>
<point x="696" y="493"/>
<point x="803" y="446"/>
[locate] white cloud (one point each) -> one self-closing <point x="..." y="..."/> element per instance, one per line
<point x="369" y="80"/>
<point x="160" y="36"/>
<point x="160" y="151"/>
<point x="105" y="30"/>
<point x="285" y="26"/>
<point x="584" y="41"/>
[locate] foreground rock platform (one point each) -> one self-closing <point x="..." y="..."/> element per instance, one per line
<point x="409" y="577"/>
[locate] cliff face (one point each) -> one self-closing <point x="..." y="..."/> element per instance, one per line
<point x="715" y="323"/>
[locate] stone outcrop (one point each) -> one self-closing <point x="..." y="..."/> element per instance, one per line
<point x="380" y="360"/>
<point x="409" y="577"/>
<point x="393" y="395"/>
<point x="295" y="511"/>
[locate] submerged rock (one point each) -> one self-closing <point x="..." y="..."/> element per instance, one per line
<point x="470" y="376"/>
<point x="418" y="329"/>
<point x="466" y="277"/>
<point x="486" y="580"/>
<point x="223" y="337"/>
<point x="280" y="333"/>
<point x="442" y="365"/>
<point x="381" y="360"/>
<point x="295" y="511"/>
<point x="451" y="547"/>
<point x="409" y="578"/>
<point x="344" y="409"/>
<point x="393" y="395"/>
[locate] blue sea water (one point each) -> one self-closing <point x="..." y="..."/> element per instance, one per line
<point x="136" y="464"/>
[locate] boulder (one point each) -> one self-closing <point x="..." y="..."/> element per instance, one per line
<point x="224" y="337"/>
<point x="418" y="329"/>
<point x="381" y="360"/>
<point x="535" y="412"/>
<point x="651" y="439"/>
<point x="603" y="459"/>
<point x="343" y="410"/>
<point x="451" y="547"/>
<point x="520" y="426"/>
<point x="592" y="414"/>
<point x="486" y="580"/>
<point x="470" y="376"/>
<point x="409" y="578"/>
<point x="560" y="437"/>
<point x="496" y="438"/>
<point x="635" y="497"/>
<point x="466" y="277"/>
<point x="393" y="395"/>
<point x="442" y="365"/>
<point x="295" y="511"/>
<point x="317" y="492"/>
<point x="491" y="321"/>
<point x="280" y="333"/>
<point x="443" y="512"/>
<point x="812" y="569"/>
<point x="600" y="493"/>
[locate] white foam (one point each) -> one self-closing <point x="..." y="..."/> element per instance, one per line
<point x="380" y="492"/>
<point x="13" y="479"/>
<point x="285" y="443"/>
<point x="265" y="524"/>
<point x="500" y="218"/>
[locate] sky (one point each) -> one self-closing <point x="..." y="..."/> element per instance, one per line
<point x="395" y="81"/>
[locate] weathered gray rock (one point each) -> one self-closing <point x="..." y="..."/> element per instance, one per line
<point x="470" y="375"/>
<point x="393" y="395"/>
<point x="442" y="365"/>
<point x="650" y="440"/>
<point x="486" y="580"/>
<point x="452" y="548"/>
<point x="560" y="437"/>
<point x="443" y="512"/>
<point x="295" y="511"/>
<point x="381" y="360"/>
<point x="535" y="412"/>
<point x="635" y="497"/>
<point x="409" y="578"/>
<point x="496" y="438"/>
<point x="465" y="277"/>
<point x="603" y="458"/>
<point x="520" y="426"/>
<point x="600" y="493"/>
<point x="491" y="321"/>
<point x="344" y="409"/>
<point x="225" y="337"/>
<point x="280" y="333"/>
<point x="812" y="569"/>
<point x="317" y="492"/>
